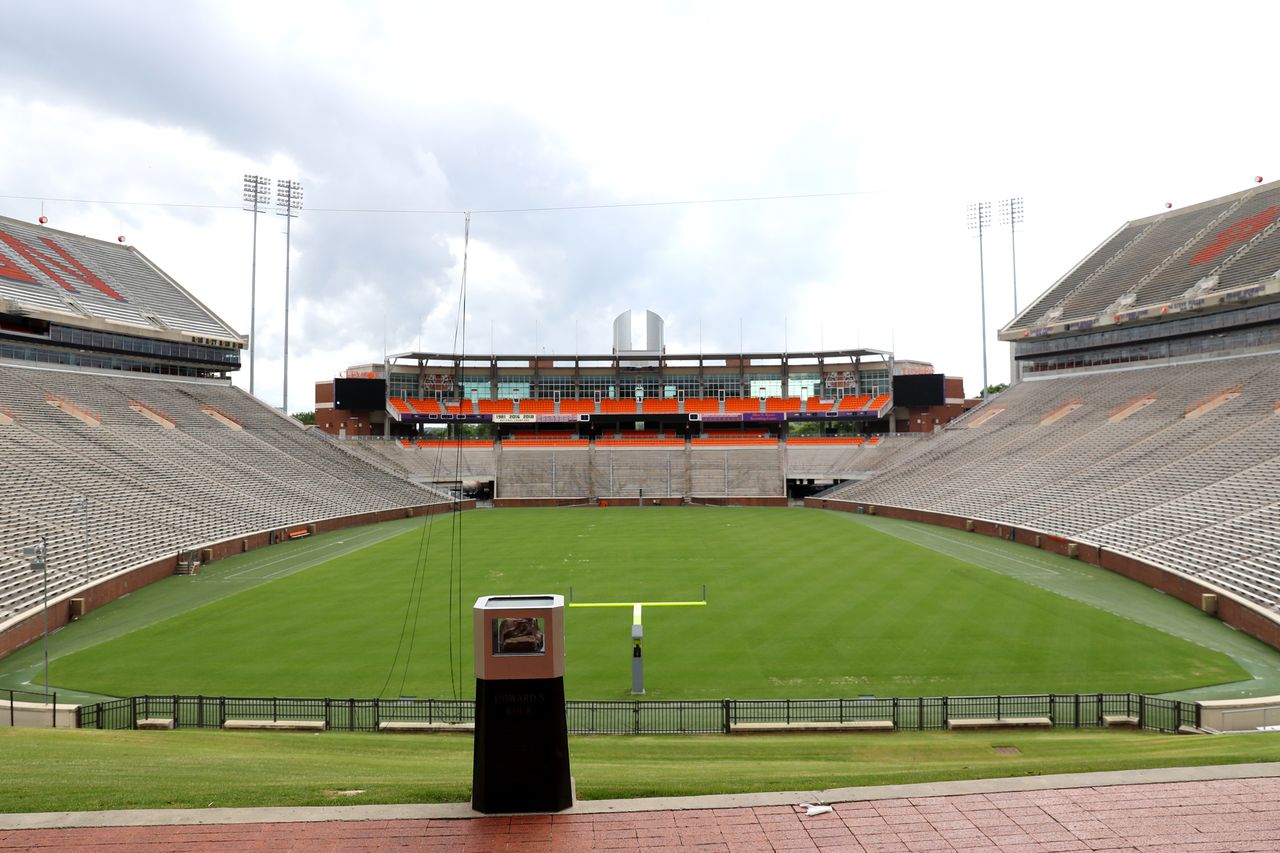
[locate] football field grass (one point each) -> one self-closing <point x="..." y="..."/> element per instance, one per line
<point x="63" y="770"/>
<point x="802" y="604"/>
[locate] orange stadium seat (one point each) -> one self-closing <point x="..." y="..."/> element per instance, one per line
<point x="854" y="404"/>
<point x="537" y="407"/>
<point x="626" y="406"/>
<point x="400" y="406"/>
<point x="660" y="406"/>
<point x="702" y="405"/>
<point x="736" y="441"/>
<point x="741" y="404"/>
<point x="576" y="406"/>
<point x="463" y="408"/>
<point x="495" y="407"/>
<point x="817" y="404"/>
<point x="548" y="442"/>
<point x="652" y="441"/>
<point x="520" y="434"/>
<point x="782" y="404"/>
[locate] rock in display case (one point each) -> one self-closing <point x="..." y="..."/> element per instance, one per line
<point x="521" y="758"/>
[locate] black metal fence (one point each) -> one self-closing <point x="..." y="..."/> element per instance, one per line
<point x="1063" y="710"/>
<point x="31" y="697"/>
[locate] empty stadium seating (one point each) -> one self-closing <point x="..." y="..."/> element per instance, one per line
<point x="121" y="488"/>
<point x="577" y="407"/>
<point x="702" y="405"/>
<point x="660" y="406"/>
<point x="624" y="406"/>
<point x="1176" y="465"/>
<point x="537" y="407"/>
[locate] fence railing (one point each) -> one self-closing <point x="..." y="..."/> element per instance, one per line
<point x="1063" y="710"/>
<point x="31" y="697"/>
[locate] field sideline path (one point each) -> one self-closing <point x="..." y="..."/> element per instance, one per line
<point x="1203" y="809"/>
<point x="1106" y="590"/>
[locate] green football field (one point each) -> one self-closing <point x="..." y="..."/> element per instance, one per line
<point x="802" y="604"/>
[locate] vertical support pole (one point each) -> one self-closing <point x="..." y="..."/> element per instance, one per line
<point x="637" y="652"/>
<point x="288" y="238"/>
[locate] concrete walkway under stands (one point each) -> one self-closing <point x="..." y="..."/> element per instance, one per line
<point x="1203" y="809"/>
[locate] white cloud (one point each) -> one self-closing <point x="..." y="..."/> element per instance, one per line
<point x="925" y="107"/>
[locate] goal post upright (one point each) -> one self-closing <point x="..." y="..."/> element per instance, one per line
<point x="637" y="628"/>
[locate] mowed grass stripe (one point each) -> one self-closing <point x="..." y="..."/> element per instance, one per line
<point x="86" y="770"/>
<point x="802" y="604"/>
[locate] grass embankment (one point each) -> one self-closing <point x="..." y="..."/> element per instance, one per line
<point x="92" y="770"/>
<point x="802" y="605"/>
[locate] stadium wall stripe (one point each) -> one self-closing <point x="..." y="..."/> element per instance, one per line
<point x="30" y="628"/>
<point x="1233" y="610"/>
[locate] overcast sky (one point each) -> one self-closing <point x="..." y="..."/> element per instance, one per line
<point x="146" y="115"/>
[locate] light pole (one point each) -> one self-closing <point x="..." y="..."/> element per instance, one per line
<point x="37" y="555"/>
<point x="979" y="216"/>
<point x="1011" y="215"/>
<point x="288" y="204"/>
<point x="257" y="195"/>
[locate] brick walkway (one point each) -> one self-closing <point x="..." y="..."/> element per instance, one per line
<point x="1224" y="815"/>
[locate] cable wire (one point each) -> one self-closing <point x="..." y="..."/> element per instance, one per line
<point x="450" y="212"/>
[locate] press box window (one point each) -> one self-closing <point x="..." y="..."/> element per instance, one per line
<point x="519" y="636"/>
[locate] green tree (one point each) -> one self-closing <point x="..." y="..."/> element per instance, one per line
<point x="308" y="418"/>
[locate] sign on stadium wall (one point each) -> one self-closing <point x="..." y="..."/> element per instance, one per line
<point x="515" y="419"/>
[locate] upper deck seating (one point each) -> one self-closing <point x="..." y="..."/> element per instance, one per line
<point x="855" y="403"/>
<point x="657" y="406"/>
<point x="625" y="406"/>
<point x="537" y="407"/>
<point x="741" y="404"/>
<point x="702" y="405"/>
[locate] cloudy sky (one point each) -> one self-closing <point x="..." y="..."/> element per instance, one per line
<point x="140" y="119"/>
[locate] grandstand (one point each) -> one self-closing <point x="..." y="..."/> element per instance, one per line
<point x="124" y="445"/>
<point x="633" y="423"/>
<point x="1144" y="430"/>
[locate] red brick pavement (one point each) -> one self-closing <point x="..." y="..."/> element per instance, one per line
<point x="1224" y="816"/>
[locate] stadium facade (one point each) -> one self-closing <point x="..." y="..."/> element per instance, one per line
<point x="637" y="391"/>
<point x="1190" y="283"/>
<point x="81" y="302"/>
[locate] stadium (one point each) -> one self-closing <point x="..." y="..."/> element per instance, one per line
<point x="1096" y="547"/>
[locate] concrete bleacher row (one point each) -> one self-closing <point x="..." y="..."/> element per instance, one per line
<point x="647" y="406"/>
<point x="1163" y="258"/>
<point x="605" y="472"/>
<point x="564" y="467"/>
<point x="1178" y="466"/>
<point x="117" y="487"/>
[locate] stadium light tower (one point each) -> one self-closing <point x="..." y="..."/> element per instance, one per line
<point x="979" y="216"/>
<point x="257" y="195"/>
<point x="1011" y="215"/>
<point x="288" y="204"/>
